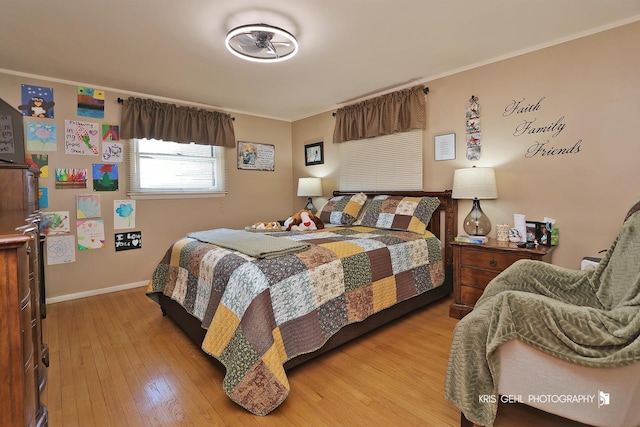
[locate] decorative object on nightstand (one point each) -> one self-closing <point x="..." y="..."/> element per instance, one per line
<point x="310" y="187"/>
<point x="502" y="232"/>
<point x="476" y="184"/>
<point x="475" y="265"/>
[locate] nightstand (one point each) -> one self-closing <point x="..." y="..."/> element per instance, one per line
<point x="475" y="265"/>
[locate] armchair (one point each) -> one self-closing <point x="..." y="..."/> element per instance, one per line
<point x="564" y="341"/>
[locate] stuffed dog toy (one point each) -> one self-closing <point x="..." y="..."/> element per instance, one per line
<point x="303" y="220"/>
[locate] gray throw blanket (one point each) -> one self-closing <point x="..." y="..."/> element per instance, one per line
<point x="253" y="244"/>
<point x="589" y="317"/>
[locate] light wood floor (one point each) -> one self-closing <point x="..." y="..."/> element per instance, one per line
<point x="115" y="361"/>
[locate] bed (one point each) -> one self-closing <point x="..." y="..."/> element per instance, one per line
<point x="380" y="256"/>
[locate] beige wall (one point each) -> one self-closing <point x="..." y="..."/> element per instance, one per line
<point x="253" y="196"/>
<point x="593" y="84"/>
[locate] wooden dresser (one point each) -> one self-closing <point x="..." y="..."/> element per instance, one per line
<point x="23" y="355"/>
<point x="475" y="265"/>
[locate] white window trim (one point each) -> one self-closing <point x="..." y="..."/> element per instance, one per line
<point x="131" y="158"/>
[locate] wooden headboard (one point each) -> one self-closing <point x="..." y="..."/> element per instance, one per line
<point x="444" y="222"/>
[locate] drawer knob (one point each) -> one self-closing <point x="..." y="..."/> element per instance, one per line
<point x="493" y="263"/>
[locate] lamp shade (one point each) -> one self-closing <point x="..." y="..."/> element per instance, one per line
<point x="474" y="183"/>
<point x="309" y="187"/>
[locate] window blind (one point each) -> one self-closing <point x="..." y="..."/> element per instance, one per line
<point x="390" y="162"/>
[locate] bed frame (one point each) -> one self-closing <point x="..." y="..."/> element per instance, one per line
<point x="443" y="224"/>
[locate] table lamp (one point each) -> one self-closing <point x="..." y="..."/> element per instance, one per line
<point x="475" y="183"/>
<point x="310" y="187"/>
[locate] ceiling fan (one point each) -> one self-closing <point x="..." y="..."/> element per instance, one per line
<point x="261" y="43"/>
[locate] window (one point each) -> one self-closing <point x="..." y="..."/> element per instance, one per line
<point x="164" y="169"/>
<point x="389" y="162"/>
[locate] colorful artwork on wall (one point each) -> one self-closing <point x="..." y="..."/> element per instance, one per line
<point x="61" y="249"/>
<point x="90" y="234"/>
<point x="71" y="178"/>
<point x="41" y="136"/>
<point x="128" y="240"/>
<point x="37" y="101"/>
<point x="105" y="177"/>
<point x="124" y="214"/>
<point x="39" y="162"/>
<point x="81" y="138"/>
<point x="55" y="223"/>
<point x="112" y="152"/>
<point x="110" y="132"/>
<point x="43" y="197"/>
<point x="90" y="102"/>
<point x="87" y="205"/>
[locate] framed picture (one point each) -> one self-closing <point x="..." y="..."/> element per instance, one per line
<point x="445" y="146"/>
<point x="314" y="154"/>
<point x="256" y="156"/>
<point x="531" y="231"/>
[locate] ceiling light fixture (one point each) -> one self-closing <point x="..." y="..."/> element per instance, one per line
<point x="261" y="43"/>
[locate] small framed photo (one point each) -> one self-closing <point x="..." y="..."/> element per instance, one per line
<point x="532" y="230"/>
<point x="543" y="233"/>
<point x="314" y="154"/>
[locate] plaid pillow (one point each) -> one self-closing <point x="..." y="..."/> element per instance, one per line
<point x="342" y="210"/>
<point x="400" y="213"/>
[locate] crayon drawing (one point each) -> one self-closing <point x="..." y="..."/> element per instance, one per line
<point x="90" y="234"/>
<point x="41" y="136"/>
<point x="87" y="205"/>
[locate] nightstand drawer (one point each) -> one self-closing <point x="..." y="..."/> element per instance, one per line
<point x="474" y="266"/>
<point x="490" y="260"/>
<point x="469" y="295"/>
<point x="476" y="278"/>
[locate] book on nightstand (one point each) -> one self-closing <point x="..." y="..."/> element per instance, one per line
<point x="471" y="239"/>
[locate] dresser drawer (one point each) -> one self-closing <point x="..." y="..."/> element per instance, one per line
<point x="476" y="277"/>
<point x="469" y="295"/>
<point x="489" y="260"/>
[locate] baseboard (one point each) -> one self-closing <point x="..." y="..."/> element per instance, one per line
<point x="94" y="292"/>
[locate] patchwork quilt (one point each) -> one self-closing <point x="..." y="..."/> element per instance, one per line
<point x="259" y="313"/>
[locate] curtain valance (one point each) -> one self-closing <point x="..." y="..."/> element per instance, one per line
<point x="398" y="111"/>
<point x="145" y="118"/>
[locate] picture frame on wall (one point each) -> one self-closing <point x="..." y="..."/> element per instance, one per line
<point x="314" y="154"/>
<point x="256" y="156"/>
<point x="445" y="147"/>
